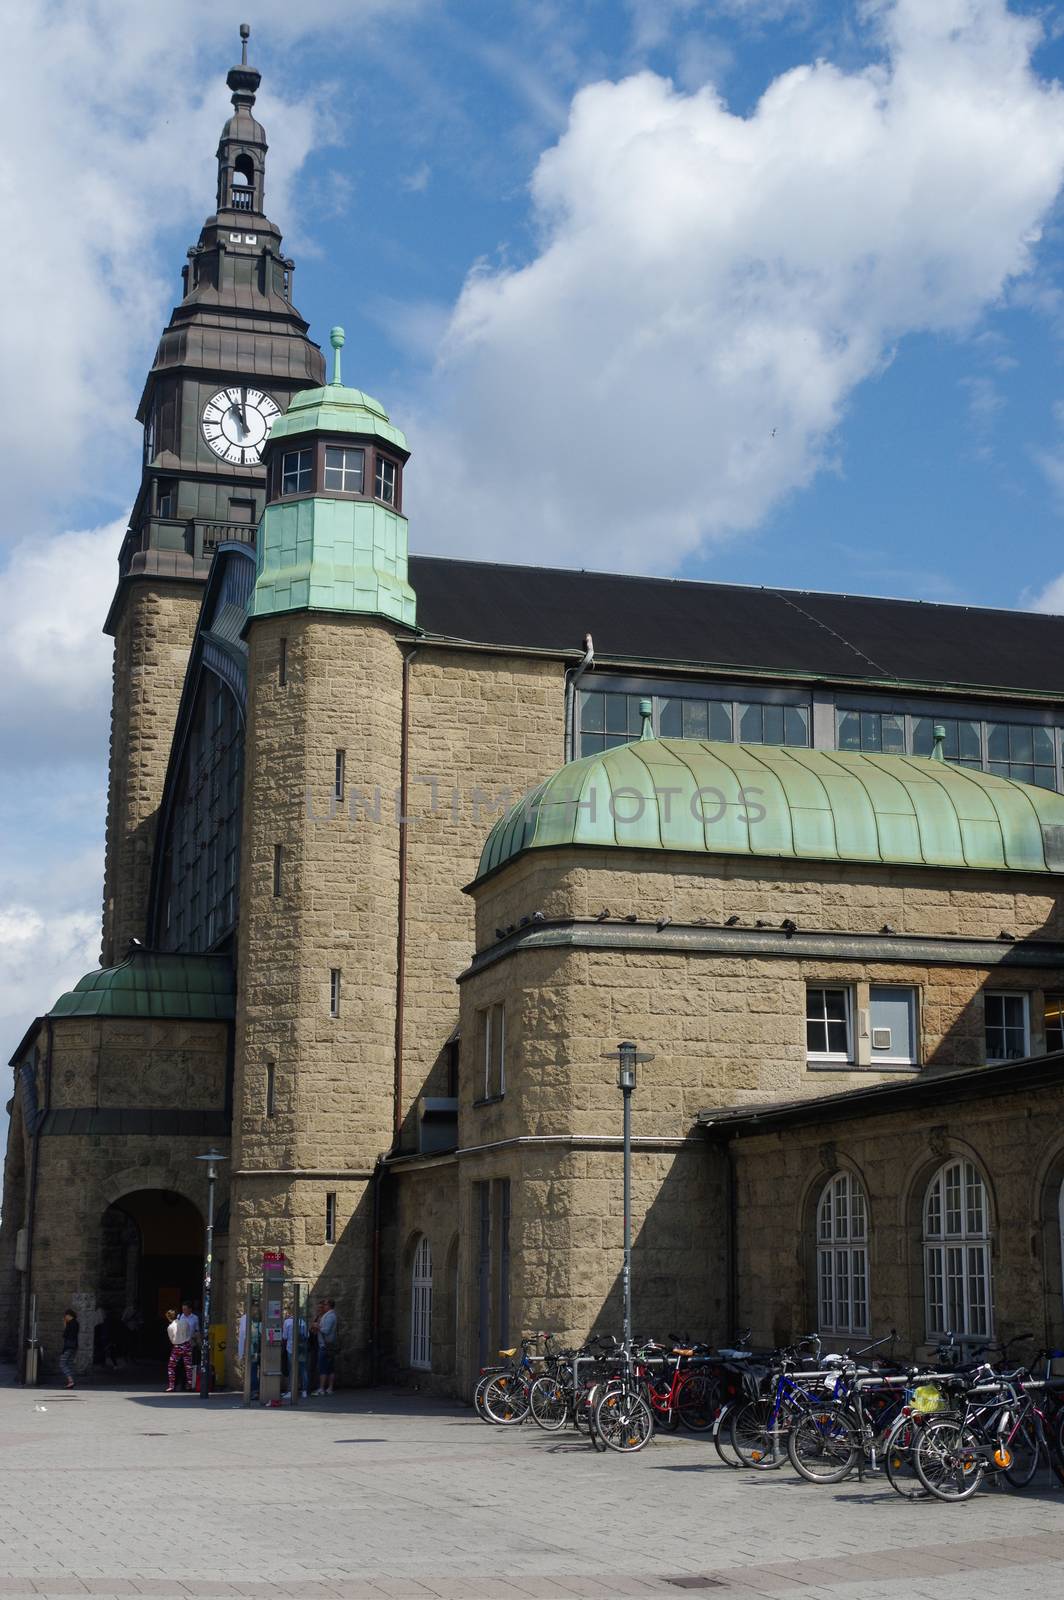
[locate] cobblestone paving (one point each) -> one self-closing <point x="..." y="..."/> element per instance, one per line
<point x="127" y="1492"/>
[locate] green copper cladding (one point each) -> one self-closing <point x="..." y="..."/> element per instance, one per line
<point x="323" y="554"/>
<point x="150" y="985"/>
<point x="774" y="801"/>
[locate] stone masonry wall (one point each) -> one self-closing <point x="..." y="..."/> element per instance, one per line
<point x="153" y="638"/>
<point x="1017" y="1143"/>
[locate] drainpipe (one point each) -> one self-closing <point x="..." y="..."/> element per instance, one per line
<point x="375" y="1303"/>
<point x="35" y="1162"/>
<point x="572" y="678"/>
<point x="400" y="944"/>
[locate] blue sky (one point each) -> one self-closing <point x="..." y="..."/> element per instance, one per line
<point x="752" y="290"/>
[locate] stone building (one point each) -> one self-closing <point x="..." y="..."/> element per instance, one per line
<point x="399" y="847"/>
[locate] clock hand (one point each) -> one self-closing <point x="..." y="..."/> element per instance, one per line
<point x="243" y="409"/>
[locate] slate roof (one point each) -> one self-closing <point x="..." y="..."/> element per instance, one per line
<point x="732" y="627"/>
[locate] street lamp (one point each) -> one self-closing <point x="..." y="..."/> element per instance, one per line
<point x="628" y="1056"/>
<point x="212" y="1158"/>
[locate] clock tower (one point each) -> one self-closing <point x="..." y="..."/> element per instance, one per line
<point x="233" y="354"/>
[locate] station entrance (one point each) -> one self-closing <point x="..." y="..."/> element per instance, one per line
<point x="151" y="1259"/>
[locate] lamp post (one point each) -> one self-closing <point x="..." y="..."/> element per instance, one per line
<point x="212" y="1158"/>
<point x="628" y="1056"/>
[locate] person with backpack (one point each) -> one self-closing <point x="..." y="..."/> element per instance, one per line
<point x="180" y="1334"/>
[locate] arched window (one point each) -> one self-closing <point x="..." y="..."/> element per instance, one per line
<point x="842" y="1255"/>
<point x="421" y="1307"/>
<point x="957" y="1253"/>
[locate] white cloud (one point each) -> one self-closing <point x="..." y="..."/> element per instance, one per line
<point x="709" y="289"/>
<point x="55" y="663"/>
<point x="40" y="959"/>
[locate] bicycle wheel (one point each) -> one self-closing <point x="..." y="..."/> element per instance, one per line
<point x="478" y="1396"/>
<point x="506" y="1399"/>
<point x="697" y="1401"/>
<point x="721" y="1435"/>
<point x="548" y="1403"/>
<point x="750" y="1434"/>
<point x="898" y="1460"/>
<point x="1023" y="1449"/>
<point x="624" y="1420"/>
<point x="824" y="1445"/>
<point x="949" y="1459"/>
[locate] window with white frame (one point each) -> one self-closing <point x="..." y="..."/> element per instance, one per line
<point x="1007" y="1025"/>
<point x="842" y="1256"/>
<point x="384" y="482"/>
<point x="829" y="1022"/>
<point x="344" y="469"/>
<point x="957" y="1253"/>
<point x="492" y="1031"/>
<point x="421" y="1306"/>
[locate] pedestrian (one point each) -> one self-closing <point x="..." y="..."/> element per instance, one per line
<point x="181" y="1349"/>
<point x="328" y="1340"/>
<point x="313" y="1377"/>
<point x="287" y="1329"/>
<point x="196" y="1337"/>
<point x="68" y="1358"/>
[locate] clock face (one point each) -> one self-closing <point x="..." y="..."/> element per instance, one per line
<point x="236" y="422"/>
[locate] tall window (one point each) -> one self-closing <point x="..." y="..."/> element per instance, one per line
<point x="330" y="1217"/>
<point x="770" y="724"/>
<point x="297" y="471"/>
<point x="339" y="773"/>
<point x="957" y="1253"/>
<point x="278" y="868"/>
<point x="334" y="992"/>
<point x="492" y="1029"/>
<point x="829" y="1023"/>
<point x="892" y="1019"/>
<point x="842" y="1256"/>
<point x="1007" y="1027"/>
<point x="282" y="662"/>
<point x="385" y="480"/>
<point x="344" y="469"/>
<point x="1055" y="1021"/>
<point x="271" y="1076"/>
<point x="421" y="1307"/>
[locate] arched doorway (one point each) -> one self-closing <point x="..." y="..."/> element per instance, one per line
<point x="151" y="1258"/>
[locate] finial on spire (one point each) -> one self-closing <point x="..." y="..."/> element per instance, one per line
<point x="245" y="35"/>
<point x="336" y="339"/>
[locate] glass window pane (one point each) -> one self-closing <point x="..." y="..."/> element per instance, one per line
<point x="1043" y="746"/>
<point x="997" y="744"/>
<point x="795" y="725"/>
<point x="1021" y="772"/>
<point x="837" y="1042"/>
<point x="923" y="736"/>
<point x="750" y="727"/>
<point x="871" y="737"/>
<point x="1054" y="1022"/>
<point x="671" y="719"/>
<point x="893" y="731"/>
<point x="835" y="1004"/>
<point x="951" y="746"/>
<point x="999" y="768"/>
<point x="613" y="741"/>
<point x="695" y="719"/>
<point x="1021" y="742"/>
<point x="773" y="724"/>
<point x="720" y="720"/>
<point x="816" y="1036"/>
<point x="635" y="716"/>
<point x="850" y="730"/>
<point x="590" y="744"/>
<point x="1045" y="777"/>
<point x="968" y="742"/>
<point x="616" y="713"/>
<point x="592" y="711"/>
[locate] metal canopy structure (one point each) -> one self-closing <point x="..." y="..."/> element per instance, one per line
<point x="777" y="802"/>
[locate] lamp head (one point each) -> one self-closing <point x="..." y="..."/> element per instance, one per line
<point x="626" y="1065"/>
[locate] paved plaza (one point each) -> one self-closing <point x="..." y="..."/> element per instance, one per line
<point x="122" y="1491"/>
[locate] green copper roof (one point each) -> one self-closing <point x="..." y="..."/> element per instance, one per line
<point x="151" y="985"/>
<point x="767" y="800"/>
<point x="333" y="408"/>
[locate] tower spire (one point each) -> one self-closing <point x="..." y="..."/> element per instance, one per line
<point x="242" y="147"/>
